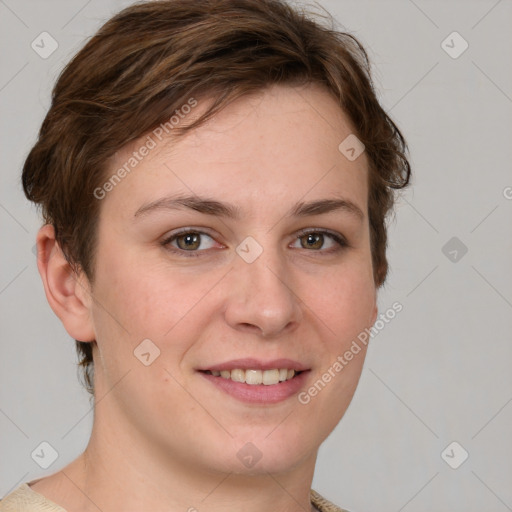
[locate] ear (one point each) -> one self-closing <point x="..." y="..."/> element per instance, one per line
<point x="68" y="294"/>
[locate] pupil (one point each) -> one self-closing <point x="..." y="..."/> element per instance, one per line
<point x="189" y="241"/>
<point x="314" y="240"/>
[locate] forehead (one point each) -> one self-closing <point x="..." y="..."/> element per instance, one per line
<point x="280" y="143"/>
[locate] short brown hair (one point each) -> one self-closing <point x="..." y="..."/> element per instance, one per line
<point x="147" y="60"/>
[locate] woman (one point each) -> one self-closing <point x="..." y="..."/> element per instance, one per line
<point x="215" y="178"/>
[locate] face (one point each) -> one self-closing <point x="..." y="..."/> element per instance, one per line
<point x="243" y="275"/>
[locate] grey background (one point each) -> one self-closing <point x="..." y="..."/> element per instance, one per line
<point x="438" y="373"/>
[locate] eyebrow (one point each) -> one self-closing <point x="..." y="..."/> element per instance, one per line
<point x="210" y="206"/>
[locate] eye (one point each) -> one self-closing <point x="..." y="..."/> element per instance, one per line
<point x="188" y="241"/>
<point x="317" y="239"/>
<point x="193" y="242"/>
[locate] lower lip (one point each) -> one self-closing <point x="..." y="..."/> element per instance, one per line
<point x="259" y="393"/>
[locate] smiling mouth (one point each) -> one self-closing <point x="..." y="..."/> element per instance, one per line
<point x="255" y="377"/>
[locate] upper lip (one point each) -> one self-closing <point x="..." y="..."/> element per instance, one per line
<point x="256" y="364"/>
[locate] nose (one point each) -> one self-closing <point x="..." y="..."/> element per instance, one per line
<point x="261" y="298"/>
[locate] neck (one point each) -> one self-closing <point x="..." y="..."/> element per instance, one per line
<point x="121" y="470"/>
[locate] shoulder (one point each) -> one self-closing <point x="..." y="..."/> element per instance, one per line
<point x="322" y="504"/>
<point x="25" y="499"/>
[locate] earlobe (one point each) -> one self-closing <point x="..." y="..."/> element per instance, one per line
<point x="68" y="294"/>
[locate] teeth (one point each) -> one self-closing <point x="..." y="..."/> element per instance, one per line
<point x="253" y="376"/>
<point x="256" y="377"/>
<point x="237" y="375"/>
<point x="271" y="377"/>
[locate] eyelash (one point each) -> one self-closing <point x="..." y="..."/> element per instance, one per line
<point x="340" y="240"/>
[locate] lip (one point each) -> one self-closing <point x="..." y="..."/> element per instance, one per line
<point x="256" y="364"/>
<point x="259" y="393"/>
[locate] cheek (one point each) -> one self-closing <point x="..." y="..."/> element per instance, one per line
<point x="147" y="300"/>
<point x="344" y="301"/>
<point x="139" y="301"/>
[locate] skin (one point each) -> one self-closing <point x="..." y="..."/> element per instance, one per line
<point x="164" y="438"/>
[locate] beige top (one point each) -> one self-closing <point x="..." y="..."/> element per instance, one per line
<point x="25" y="499"/>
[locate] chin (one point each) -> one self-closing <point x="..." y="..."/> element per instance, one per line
<point x="268" y="451"/>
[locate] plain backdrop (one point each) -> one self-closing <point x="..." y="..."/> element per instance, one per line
<point x="438" y="374"/>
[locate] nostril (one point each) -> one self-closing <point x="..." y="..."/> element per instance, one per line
<point x="250" y="327"/>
